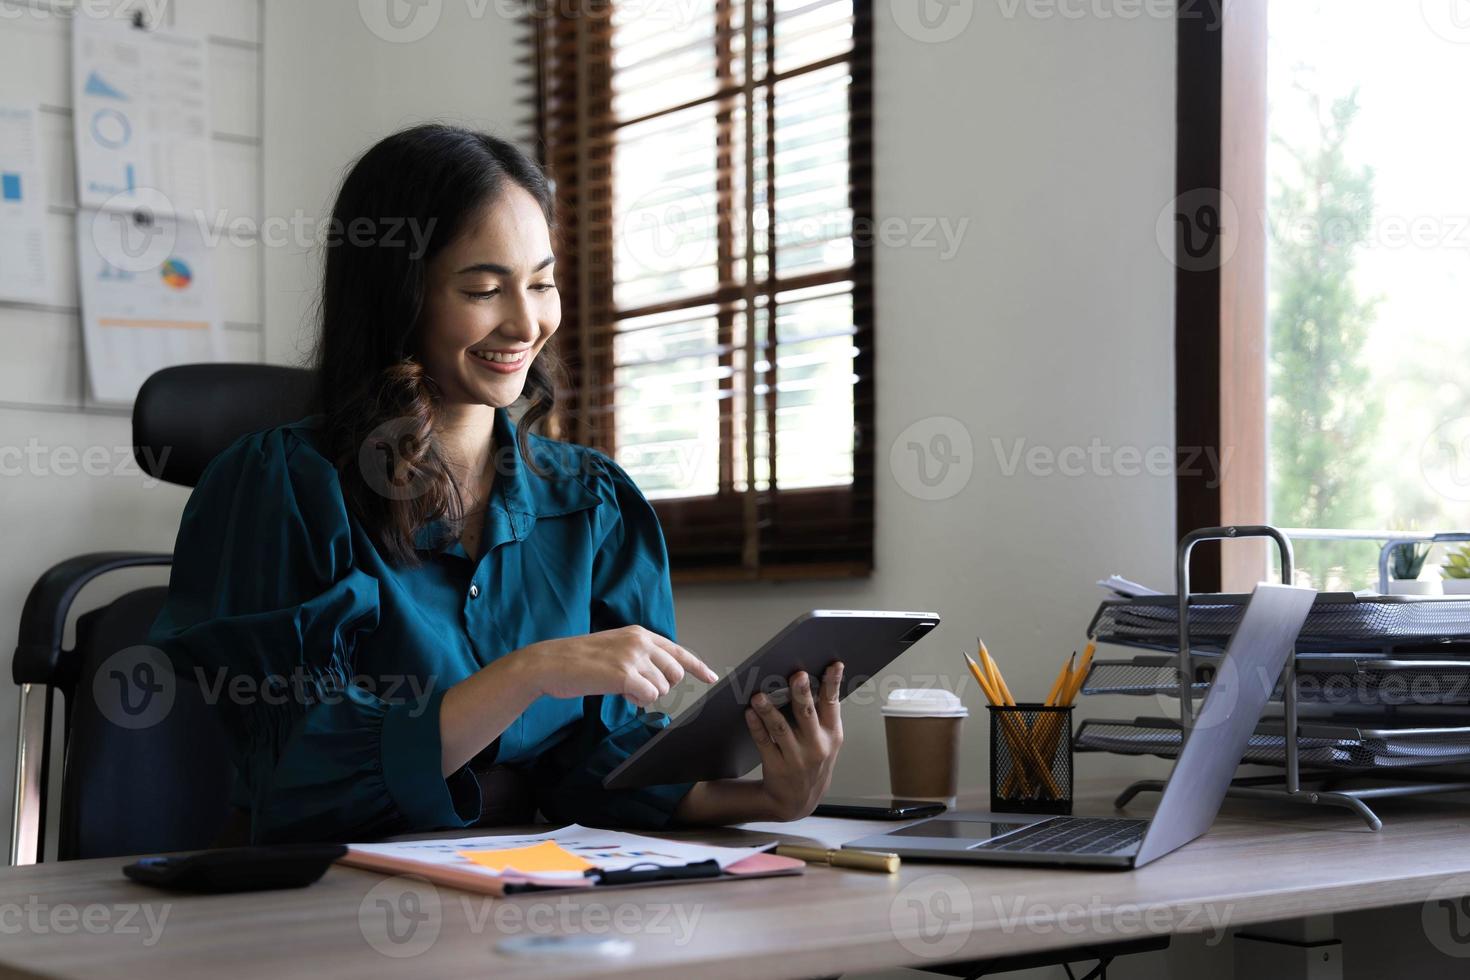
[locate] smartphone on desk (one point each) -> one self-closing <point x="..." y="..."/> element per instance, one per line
<point x="855" y="808"/>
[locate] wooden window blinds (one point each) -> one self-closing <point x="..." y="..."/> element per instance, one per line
<point x="713" y="169"/>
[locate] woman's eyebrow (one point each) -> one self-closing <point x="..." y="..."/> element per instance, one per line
<point x="500" y="270"/>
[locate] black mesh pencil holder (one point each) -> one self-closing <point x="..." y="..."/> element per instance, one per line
<point x="1030" y="759"/>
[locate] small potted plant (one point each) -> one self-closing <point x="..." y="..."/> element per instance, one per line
<point x="1456" y="571"/>
<point x="1404" y="566"/>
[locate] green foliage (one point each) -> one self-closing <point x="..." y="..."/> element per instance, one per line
<point x="1324" y="411"/>
<point x="1457" y="563"/>
<point x="1407" y="560"/>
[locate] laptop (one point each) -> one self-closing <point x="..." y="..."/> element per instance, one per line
<point x="1192" y="796"/>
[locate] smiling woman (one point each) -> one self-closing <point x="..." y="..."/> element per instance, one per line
<point x="400" y="326"/>
<point x="409" y="537"/>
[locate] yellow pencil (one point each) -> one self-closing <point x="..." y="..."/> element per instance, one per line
<point x="990" y="693"/>
<point x="1081" y="675"/>
<point x="1048" y="723"/>
<point x="1063" y="681"/>
<point x="1021" y="740"/>
<point x="995" y="675"/>
<point x="1075" y="680"/>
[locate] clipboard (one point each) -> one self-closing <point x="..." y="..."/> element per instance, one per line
<point x="762" y="865"/>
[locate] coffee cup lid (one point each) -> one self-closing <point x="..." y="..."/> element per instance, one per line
<point x="927" y="702"/>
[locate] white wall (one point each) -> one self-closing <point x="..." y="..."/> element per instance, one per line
<point x="51" y="508"/>
<point x="334" y="88"/>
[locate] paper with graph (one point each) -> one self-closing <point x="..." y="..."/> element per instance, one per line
<point x="148" y="299"/>
<point x="141" y="118"/>
<point x="25" y="260"/>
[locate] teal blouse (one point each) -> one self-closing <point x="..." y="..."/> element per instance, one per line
<point x="331" y="664"/>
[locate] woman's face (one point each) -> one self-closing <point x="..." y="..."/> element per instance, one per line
<point x="490" y="293"/>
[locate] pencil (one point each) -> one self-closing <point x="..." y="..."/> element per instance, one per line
<point x="1074" y="685"/>
<point x="1081" y="676"/>
<point x="995" y="675"/>
<point x="1048" y="721"/>
<point x="994" y="698"/>
<point x="985" y="686"/>
<point x="1064" y="679"/>
<point x="1021" y="739"/>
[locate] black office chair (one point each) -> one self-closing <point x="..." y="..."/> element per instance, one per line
<point x="160" y="780"/>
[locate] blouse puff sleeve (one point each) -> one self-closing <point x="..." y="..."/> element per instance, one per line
<point x="630" y="586"/>
<point x="264" y="599"/>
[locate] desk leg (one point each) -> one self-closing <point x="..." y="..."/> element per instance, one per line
<point x="1300" y="949"/>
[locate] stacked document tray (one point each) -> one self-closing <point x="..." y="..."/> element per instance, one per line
<point x="1338" y="621"/>
<point x="1336" y="746"/>
<point x="1383" y="682"/>
<point x="1342" y="680"/>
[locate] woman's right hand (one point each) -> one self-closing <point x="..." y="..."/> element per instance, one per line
<point x="632" y="661"/>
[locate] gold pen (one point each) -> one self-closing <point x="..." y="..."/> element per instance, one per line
<point x="837" y="858"/>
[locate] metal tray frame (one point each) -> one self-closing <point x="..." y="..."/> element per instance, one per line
<point x="1164" y="681"/>
<point x="1290" y="787"/>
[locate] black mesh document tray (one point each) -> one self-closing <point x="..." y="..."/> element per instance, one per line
<point x="1346" y="680"/>
<point x="1338" y="621"/>
<point x="1323" y="746"/>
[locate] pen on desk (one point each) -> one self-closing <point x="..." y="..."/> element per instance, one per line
<point x="857" y="860"/>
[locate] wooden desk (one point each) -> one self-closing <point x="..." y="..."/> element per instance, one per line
<point x="1261" y="862"/>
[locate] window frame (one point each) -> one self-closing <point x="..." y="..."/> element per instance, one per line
<point x="1220" y="322"/>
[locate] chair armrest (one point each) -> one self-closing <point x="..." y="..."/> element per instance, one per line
<point x="43" y="618"/>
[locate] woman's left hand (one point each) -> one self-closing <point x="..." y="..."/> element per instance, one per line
<point x="796" y="762"/>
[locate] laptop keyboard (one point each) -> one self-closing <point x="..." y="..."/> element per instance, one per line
<point x="1072" y="835"/>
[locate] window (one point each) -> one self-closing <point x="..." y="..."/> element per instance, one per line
<point x="712" y="161"/>
<point x="1342" y="292"/>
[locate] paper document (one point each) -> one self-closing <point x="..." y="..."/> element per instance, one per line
<point x="543" y="858"/>
<point x="25" y="260"/>
<point x="1124" y="588"/>
<point x="141" y="118"/>
<point x="147" y="299"/>
<point x="529" y="854"/>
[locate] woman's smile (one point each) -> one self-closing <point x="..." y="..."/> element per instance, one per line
<point x="502" y="362"/>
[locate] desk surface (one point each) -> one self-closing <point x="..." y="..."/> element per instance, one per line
<point x="1261" y="862"/>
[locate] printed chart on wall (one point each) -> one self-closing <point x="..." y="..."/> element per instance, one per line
<point x="147" y="299"/>
<point x="24" y="260"/>
<point x="144" y="187"/>
<point x="141" y="118"/>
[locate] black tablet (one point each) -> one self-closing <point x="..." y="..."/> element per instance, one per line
<point x="711" y="740"/>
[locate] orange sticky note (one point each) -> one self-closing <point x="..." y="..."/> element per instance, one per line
<point x="537" y="858"/>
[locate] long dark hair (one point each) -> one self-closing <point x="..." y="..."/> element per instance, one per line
<point x="399" y="206"/>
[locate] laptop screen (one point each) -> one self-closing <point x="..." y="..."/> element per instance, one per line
<point x="1238" y="695"/>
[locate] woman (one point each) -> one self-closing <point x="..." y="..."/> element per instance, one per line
<point x="406" y="591"/>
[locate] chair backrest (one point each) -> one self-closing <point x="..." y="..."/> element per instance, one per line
<point x="146" y="765"/>
<point x="183" y="416"/>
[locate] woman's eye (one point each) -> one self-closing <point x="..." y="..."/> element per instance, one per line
<point x="542" y="287"/>
<point x="484" y="295"/>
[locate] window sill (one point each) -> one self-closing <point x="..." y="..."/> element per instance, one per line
<point x="775" y="573"/>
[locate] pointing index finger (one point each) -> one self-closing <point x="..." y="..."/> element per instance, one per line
<point x="690" y="662"/>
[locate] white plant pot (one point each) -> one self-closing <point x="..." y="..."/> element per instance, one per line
<point x="1413" y="586"/>
<point x="1456" y="586"/>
